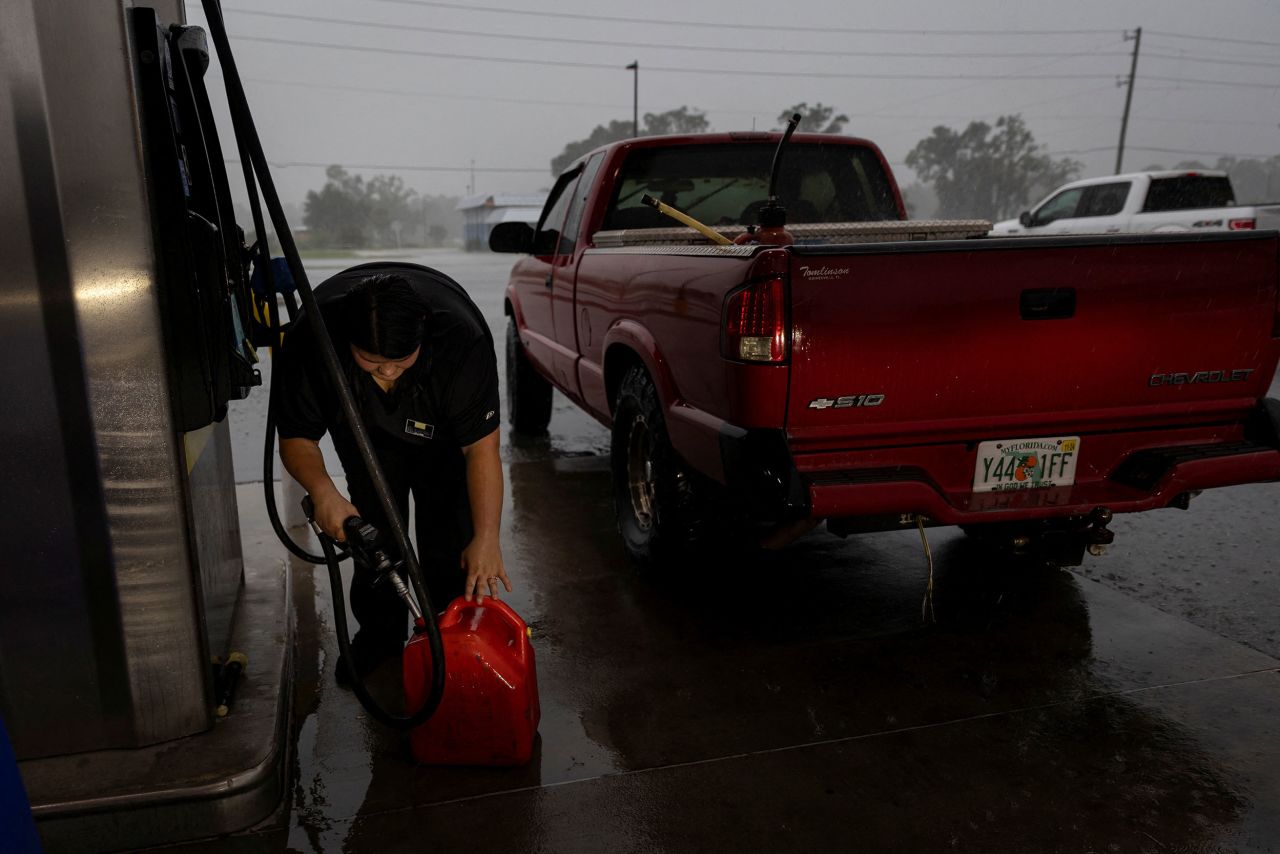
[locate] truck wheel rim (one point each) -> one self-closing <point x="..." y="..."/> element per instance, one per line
<point x="640" y="474"/>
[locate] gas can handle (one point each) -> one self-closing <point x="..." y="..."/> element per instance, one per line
<point x="519" y="629"/>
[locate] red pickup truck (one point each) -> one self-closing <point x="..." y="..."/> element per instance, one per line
<point x="882" y="373"/>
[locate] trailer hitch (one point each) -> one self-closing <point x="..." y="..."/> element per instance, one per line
<point x="1094" y="533"/>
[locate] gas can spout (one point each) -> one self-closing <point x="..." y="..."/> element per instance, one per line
<point x="792" y="124"/>
<point x="773" y="216"/>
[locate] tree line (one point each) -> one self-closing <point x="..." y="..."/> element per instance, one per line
<point x="349" y="212"/>
<point x="985" y="170"/>
<point x="982" y="171"/>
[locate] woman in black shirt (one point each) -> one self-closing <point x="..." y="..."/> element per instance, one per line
<point x="420" y="362"/>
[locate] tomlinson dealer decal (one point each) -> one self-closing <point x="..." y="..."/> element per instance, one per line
<point x="820" y="273"/>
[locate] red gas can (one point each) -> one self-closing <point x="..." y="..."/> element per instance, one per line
<point x="489" y="712"/>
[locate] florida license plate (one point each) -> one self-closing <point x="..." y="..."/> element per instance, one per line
<point x="1012" y="464"/>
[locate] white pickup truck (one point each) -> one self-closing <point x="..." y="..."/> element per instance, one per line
<point x="1140" y="202"/>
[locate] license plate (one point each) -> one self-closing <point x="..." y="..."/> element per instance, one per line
<point x="1011" y="464"/>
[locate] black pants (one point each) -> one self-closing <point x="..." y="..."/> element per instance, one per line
<point x="436" y="477"/>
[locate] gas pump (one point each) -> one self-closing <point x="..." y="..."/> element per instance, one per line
<point x="124" y="332"/>
<point x="127" y="327"/>
<point x="203" y="265"/>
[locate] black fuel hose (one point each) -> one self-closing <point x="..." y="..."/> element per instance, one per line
<point x="263" y="259"/>
<point x="366" y="699"/>
<point x="242" y="121"/>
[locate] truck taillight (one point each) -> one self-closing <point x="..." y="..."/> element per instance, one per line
<point x="755" y="322"/>
<point x="1242" y="224"/>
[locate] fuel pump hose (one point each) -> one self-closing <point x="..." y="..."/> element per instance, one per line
<point x="247" y="135"/>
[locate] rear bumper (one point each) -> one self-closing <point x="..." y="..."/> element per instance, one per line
<point x="894" y="492"/>
<point x="1126" y="472"/>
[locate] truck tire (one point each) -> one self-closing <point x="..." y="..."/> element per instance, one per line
<point x="658" y="500"/>
<point x="528" y="394"/>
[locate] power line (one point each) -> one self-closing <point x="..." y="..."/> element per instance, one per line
<point x="449" y="97"/>
<point x="899" y="102"/>
<point x="667" y="46"/>
<point x="1203" y="153"/>
<point x="1159" y="150"/>
<point x="326" y="87"/>
<point x="1172" y="120"/>
<point x="285" y="164"/>
<point x="1185" y="58"/>
<point x="1192" y="37"/>
<point x="1199" y="82"/>
<point x="1093" y="150"/>
<point x="670" y="69"/>
<point x="749" y="72"/>
<point x="736" y="25"/>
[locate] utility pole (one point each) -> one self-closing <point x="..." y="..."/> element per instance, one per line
<point x="635" y="97"/>
<point x="1128" y="95"/>
<point x="471" y="186"/>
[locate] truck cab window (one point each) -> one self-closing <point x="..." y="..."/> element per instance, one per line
<point x="573" y="221"/>
<point x="727" y="184"/>
<point x="1061" y="206"/>
<point x="1105" y="199"/>
<point x="547" y="238"/>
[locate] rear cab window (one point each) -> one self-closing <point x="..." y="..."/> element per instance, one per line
<point x="726" y="184"/>
<point x="1185" y="192"/>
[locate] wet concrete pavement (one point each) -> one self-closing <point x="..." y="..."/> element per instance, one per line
<point x="801" y="700"/>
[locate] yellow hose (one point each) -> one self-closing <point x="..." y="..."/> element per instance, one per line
<point x="682" y="217"/>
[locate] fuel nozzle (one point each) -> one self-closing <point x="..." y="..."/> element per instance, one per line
<point x="364" y="542"/>
<point x="366" y="546"/>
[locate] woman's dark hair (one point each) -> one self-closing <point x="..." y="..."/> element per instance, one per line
<point x="385" y="316"/>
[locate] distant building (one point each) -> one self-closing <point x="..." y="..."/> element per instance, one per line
<point x="483" y="212"/>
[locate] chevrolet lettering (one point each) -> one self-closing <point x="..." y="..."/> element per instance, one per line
<point x="1238" y="375"/>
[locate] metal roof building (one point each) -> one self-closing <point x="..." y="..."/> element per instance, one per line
<point x="482" y="212"/>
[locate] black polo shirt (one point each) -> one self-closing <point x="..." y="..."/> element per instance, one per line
<point x="447" y="400"/>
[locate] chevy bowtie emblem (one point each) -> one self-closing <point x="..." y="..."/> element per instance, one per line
<point x="847" y="402"/>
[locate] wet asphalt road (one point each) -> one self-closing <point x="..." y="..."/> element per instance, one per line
<point x="800" y="701"/>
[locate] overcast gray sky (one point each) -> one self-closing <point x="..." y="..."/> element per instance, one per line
<point x="424" y="89"/>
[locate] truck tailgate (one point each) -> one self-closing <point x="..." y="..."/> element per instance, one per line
<point x="987" y="339"/>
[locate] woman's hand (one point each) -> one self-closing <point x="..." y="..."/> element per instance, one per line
<point x="331" y="511"/>
<point x="303" y="459"/>
<point x="482" y="562"/>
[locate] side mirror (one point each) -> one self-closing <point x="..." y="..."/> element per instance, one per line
<point x="1025" y="219"/>
<point x="511" y="237"/>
